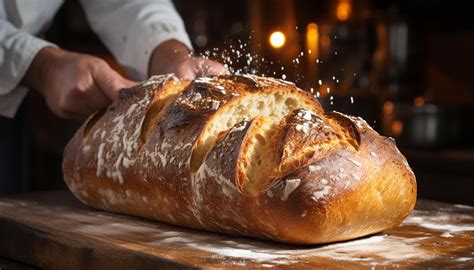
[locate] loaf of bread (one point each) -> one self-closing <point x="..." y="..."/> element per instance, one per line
<point x="242" y="155"/>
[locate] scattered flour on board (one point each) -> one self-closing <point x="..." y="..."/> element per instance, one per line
<point x="462" y="206"/>
<point x="258" y="256"/>
<point x="375" y="250"/>
<point x="446" y="227"/>
<point x="439" y="222"/>
<point x="446" y="234"/>
<point x="386" y="248"/>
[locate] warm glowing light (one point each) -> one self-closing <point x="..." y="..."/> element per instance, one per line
<point x="419" y="102"/>
<point x="388" y="107"/>
<point x="397" y="128"/>
<point x="312" y="41"/>
<point x="277" y="39"/>
<point x="343" y="10"/>
<point x="325" y="42"/>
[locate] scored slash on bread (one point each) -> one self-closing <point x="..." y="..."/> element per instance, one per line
<point x="239" y="154"/>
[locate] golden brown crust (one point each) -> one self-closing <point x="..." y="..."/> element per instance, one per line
<point x="153" y="154"/>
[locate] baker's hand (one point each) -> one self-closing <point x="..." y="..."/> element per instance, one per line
<point x="174" y="57"/>
<point x="74" y="85"/>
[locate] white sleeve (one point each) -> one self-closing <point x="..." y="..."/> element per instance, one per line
<point x="17" y="50"/>
<point x="131" y="30"/>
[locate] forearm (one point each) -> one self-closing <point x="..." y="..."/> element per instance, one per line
<point x="17" y="51"/>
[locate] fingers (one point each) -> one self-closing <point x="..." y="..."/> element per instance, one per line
<point x="194" y="67"/>
<point x="81" y="102"/>
<point x="128" y="83"/>
<point x="104" y="88"/>
<point x="96" y="99"/>
<point x="101" y="93"/>
<point x="110" y="82"/>
<point x="215" y="68"/>
<point x="205" y="67"/>
<point x="76" y="85"/>
<point x="186" y="72"/>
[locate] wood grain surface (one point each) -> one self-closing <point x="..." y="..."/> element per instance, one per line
<point x="54" y="230"/>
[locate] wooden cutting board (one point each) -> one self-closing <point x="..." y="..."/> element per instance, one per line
<point x="54" y="230"/>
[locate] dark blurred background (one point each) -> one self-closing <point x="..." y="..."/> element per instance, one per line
<point x="404" y="66"/>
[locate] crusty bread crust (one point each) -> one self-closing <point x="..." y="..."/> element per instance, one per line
<point x="242" y="155"/>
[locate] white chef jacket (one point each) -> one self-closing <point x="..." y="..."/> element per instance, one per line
<point x="130" y="29"/>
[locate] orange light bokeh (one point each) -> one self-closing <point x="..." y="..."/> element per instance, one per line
<point x="312" y="41"/>
<point x="277" y="39"/>
<point x="388" y="107"/>
<point x="343" y="10"/>
<point x="419" y="102"/>
<point x="397" y="128"/>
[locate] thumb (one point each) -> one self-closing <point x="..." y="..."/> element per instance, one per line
<point x="110" y="82"/>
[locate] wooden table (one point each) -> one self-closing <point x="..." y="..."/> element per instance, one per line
<point x="54" y="230"/>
